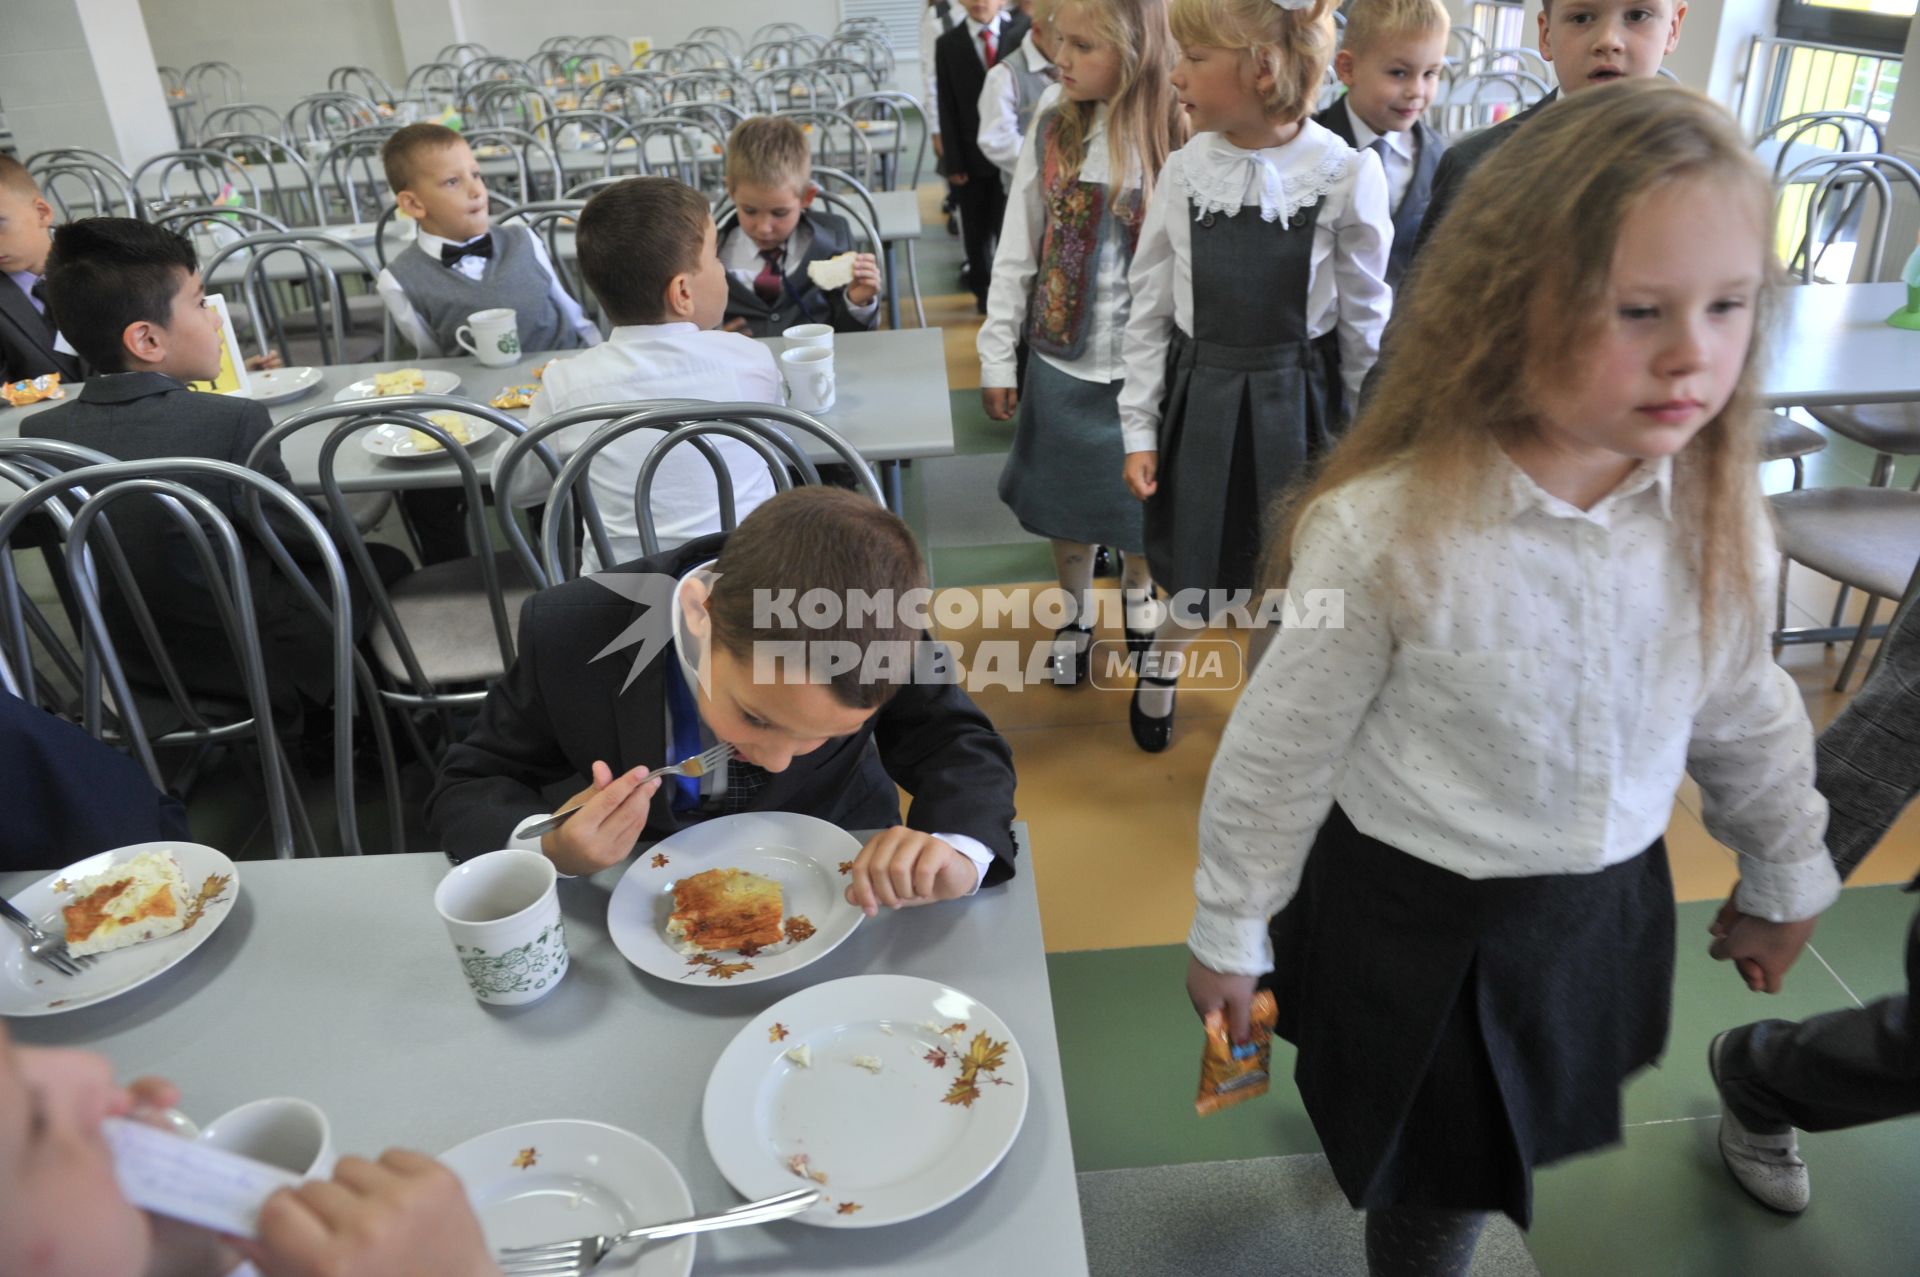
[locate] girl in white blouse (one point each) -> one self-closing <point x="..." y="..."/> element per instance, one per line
<point x="1258" y="298"/>
<point x="1060" y="280"/>
<point x="1555" y="563"/>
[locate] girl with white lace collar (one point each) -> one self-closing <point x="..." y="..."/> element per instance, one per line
<point x="1259" y="294"/>
<point x="1079" y="193"/>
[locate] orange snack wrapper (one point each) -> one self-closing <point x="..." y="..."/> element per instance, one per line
<point x="1230" y="1074"/>
<point x="515" y="397"/>
<point x="21" y="393"/>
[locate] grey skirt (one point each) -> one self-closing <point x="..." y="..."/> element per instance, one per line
<point x="1062" y="479"/>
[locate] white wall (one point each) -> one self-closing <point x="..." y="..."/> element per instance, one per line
<point x="516" y="27"/>
<point x="283" y="49"/>
<point x="79" y="73"/>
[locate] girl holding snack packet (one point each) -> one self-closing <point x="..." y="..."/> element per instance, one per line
<point x="1435" y="831"/>
<point x="1259" y="294"/>
<point x="1074" y="211"/>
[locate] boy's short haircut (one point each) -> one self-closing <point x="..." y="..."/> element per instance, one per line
<point x="1372" y="20"/>
<point x="400" y="155"/>
<point x="769" y="151"/>
<point x="14" y="177"/>
<point x="105" y="273"/>
<point x="820" y="539"/>
<point x="634" y="237"/>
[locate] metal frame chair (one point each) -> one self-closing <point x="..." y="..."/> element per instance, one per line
<point x="726" y="37"/>
<point x="320" y="119"/>
<point x="362" y="82"/>
<point x="515" y="104"/>
<point x="429" y="79"/>
<point x="212" y="172"/>
<point x="837" y="142"/>
<point x="628" y="86"/>
<point x="243" y="117"/>
<point x="352" y="170"/>
<point x="597" y="132"/>
<point x="891" y="106"/>
<point x="321" y="279"/>
<point x="296" y="206"/>
<point x="493" y="66"/>
<point x="523" y="148"/>
<point x="461" y="54"/>
<point x="791" y="88"/>
<point x="223" y="566"/>
<point x="547" y="219"/>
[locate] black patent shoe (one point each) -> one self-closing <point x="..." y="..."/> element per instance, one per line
<point x="1082" y="659"/>
<point x="1150" y="734"/>
<point x="1105" y="561"/>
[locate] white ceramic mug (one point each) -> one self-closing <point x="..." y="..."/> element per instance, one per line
<point x="809" y="335"/>
<point x="491" y="336"/>
<point x="809" y="377"/>
<point x="502" y="911"/>
<point x="288" y="1133"/>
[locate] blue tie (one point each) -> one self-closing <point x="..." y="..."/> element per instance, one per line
<point x="686" y="733"/>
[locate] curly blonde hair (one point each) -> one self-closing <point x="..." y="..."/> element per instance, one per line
<point x="1513" y="284"/>
<point x="1293" y="45"/>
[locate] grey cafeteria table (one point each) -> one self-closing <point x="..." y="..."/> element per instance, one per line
<point x="333" y="980"/>
<point x="1832" y="345"/>
<point x="892" y="406"/>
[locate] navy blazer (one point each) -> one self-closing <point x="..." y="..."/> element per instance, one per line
<point x="1465" y="156"/>
<point x="960" y="76"/>
<point x="69" y="796"/>
<point x="800" y="302"/>
<point x="559" y="708"/>
<point x="1428" y="148"/>
<point x="25" y="349"/>
<point x="139" y="416"/>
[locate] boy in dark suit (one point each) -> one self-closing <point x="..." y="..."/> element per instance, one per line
<point x="1390" y="59"/>
<point x="30" y="344"/>
<point x="129" y="295"/>
<point x="713" y="625"/>
<point x="1589" y="42"/>
<point x="961" y="58"/>
<point x="776" y="234"/>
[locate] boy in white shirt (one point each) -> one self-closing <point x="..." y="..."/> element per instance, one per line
<point x="1017" y="87"/>
<point x="458" y="263"/>
<point x="647" y="250"/>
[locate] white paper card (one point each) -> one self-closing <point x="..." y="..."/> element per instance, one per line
<point x="190" y="1181"/>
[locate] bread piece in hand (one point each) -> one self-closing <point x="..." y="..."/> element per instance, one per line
<point x="725" y="909"/>
<point x="830" y="273"/>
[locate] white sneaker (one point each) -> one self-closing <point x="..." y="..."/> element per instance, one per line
<point x="1767" y="1166"/>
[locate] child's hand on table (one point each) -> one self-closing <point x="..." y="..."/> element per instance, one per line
<point x="266" y="362"/>
<point x="1141" y="473"/>
<point x="603" y="831"/>
<point x="1762" y="951"/>
<point x="1000" y="401"/>
<point x="1213" y="990"/>
<point x="901" y="867"/>
<point x="405" y="1215"/>
<point x="866" y="280"/>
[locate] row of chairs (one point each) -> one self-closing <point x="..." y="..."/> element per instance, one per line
<point x="439" y="635"/>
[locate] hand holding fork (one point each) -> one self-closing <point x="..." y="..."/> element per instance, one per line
<point x="598" y="826"/>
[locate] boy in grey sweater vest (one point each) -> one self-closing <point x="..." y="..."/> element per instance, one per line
<point x="458" y="264"/>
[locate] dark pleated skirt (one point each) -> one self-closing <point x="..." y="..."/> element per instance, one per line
<point x="1062" y="478"/>
<point x="1241" y="424"/>
<point x="1455" y="1033"/>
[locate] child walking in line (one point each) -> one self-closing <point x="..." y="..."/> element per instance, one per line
<point x="1258" y="300"/>
<point x="1435" y="830"/>
<point x="1079" y="194"/>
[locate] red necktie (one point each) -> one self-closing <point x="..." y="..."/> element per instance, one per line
<point x="768" y="282"/>
<point x="987" y="42"/>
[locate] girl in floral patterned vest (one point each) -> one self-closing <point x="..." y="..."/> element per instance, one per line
<point x="1259" y="294"/>
<point x="1079" y="192"/>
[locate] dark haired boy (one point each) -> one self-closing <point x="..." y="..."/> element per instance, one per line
<point x="459" y="263"/>
<point x="571" y="710"/>
<point x="647" y="251"/>
<point x="129" y="297"/>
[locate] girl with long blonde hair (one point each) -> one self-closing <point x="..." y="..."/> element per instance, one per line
<point x="1259" y="294"/>
<point x="1080" y="190"/>
<point x="1434" y="826"/>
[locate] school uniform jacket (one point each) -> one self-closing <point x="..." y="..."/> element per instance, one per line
<point x="1465" y="156"/>
<point x="26" y="349"/>
<point x="961" y="75"/>
<point x="559" y="708"/>
<point x="800" y="302"/>
<point x="1429" y="148"/>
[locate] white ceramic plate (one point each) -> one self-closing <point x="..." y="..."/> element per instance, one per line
<point x="439" y="382"/>
<point x="803" y="854"/>
<point x="397" y="442"/>
<point x="892" y="1145"/>
<point x="278" y="385"/>
<point x="31" y="988"/>
<point x="555" y="1181"/>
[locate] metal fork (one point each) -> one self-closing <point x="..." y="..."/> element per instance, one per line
<point x="582" y="1255"/>
<point x="43" y="947"/>
<point x="697" y="766"/>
